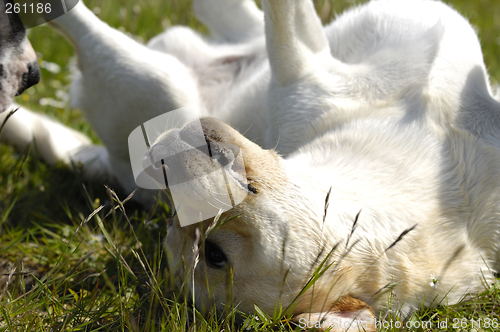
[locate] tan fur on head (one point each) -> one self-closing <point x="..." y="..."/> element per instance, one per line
<point x="245" y="237"/>
<point x="286" y="228"/>
<point x="271" y="253"/>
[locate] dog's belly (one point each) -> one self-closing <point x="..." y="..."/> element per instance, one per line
<point x="378" y="163"/>
<point x="233" y="89"/>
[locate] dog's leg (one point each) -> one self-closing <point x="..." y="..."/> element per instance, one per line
<point x="305" y="78"/>
<point x="121" y="83"/>
<point x="478" y="111"/>
<point x="458" y="90"/>
<point x="295" y="39"/>
<point x="55" y="142"/>
<point x="234" y="20"/>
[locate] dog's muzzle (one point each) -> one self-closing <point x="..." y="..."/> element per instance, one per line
<point x="30" y="78"/>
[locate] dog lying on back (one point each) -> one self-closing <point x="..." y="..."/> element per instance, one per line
<point x="386" y="158"/>
<point x="18" y="65"/>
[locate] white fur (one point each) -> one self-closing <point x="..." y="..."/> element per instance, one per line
<point x="389" y="106"/>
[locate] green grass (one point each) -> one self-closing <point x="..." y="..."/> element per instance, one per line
<point x="61" y="270"/>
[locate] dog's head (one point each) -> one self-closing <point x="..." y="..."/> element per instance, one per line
<point x="265" y="249"/>
<point x="18" y="64"/>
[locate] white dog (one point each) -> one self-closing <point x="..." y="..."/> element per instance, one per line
<point x="387" y="131"/>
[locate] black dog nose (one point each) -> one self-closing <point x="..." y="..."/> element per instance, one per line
<point x="30" y="78"/>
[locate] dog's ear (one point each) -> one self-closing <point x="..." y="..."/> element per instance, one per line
<point x="348" y="314"/>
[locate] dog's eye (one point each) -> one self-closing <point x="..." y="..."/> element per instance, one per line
<point x="214" y="255"/>
<point x="251" y="188"/>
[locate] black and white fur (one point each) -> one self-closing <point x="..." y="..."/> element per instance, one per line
<point x="18" y="63"/>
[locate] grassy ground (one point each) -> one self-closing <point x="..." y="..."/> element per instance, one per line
<point x="62" y="269"/>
